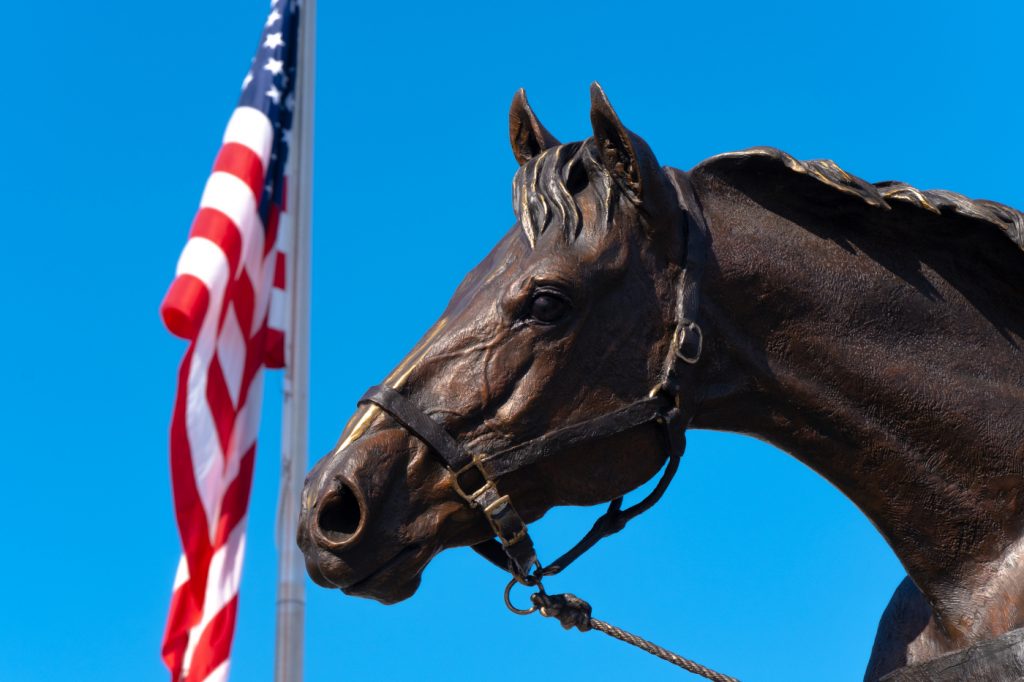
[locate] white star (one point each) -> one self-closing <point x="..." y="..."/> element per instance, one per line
<point x="274" y="66"/>
<point x="273" y="17"/>
<point x="274" y="94"/>
<point x="273" y="40"/>
<point x="247" y="80"/>
<point x="286" y="137"/>
<point x="289" y="101"/>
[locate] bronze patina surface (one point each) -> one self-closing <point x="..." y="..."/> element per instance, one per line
<point x="873" y="331"/>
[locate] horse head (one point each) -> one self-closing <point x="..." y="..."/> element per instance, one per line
<point x="568" y="319"/>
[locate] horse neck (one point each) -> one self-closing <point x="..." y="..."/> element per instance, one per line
<point x="884" y="378"/>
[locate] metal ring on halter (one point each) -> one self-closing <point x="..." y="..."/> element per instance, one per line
<point x="685" y="328"/>
<point x="508" y="599"/>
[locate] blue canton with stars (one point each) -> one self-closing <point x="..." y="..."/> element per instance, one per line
<point x="269" y="86"/>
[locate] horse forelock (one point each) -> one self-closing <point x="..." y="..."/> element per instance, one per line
<point x="543" y="190"/>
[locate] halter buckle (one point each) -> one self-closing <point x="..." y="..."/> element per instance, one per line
<point x="480" y="485"/>
<point x="505" y="521"/>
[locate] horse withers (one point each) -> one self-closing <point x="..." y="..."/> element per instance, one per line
<point x="873" y="331"/>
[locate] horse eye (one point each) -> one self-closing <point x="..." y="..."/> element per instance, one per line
<point x="548" y="308"/>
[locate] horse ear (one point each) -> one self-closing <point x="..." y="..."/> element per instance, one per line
<point x="529" y="138"/>
<point x="633" y="166"/>
<point x="622" y="153"/>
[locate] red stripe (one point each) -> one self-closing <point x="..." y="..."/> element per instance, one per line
<point x="243" y="301"/>
<point x="184" y="614"/>
<point x="255" y="359"/>
<point x="243" y="163"/>
<point x="273" y="356"/>
<point x="186" y="601"/>
<point x="222" y="231"/>
<point x="273" y="221"/>
<point x="184" y="306"/>
<point x="236" y="499"/>
<point x="188" y="505"/>
<point x="214" y="644"/>
<point x="222" y="408"/>
<point x="279" y="271"/>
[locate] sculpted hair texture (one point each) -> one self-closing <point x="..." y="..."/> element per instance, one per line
<point x="939" y="203"/>
<point x="543" y="190"/>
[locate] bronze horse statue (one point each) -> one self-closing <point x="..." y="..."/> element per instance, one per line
<point x="873" y="331"/>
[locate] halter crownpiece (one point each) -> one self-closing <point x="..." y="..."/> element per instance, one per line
<point x="475" y="474"/>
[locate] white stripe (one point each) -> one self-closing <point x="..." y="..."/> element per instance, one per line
<point x="224" y="575"/>
<point x="203" y="442"/>
<point x="277" y="318"/>
<point x="247" y="424"/>
<point x="213" y="475"/>
<point x="232" y="349"/>
<point x="221" y="585"/>
<point x="205" y="260"/>
<point x="212" y="469"/>
<point x="263" y="287"/>
<point x="252" y="128"/>
<point x="285" y="225"/>
<point x="218" y="674"/>
<point x="181" y="575"/>
<point x="277" y="315"/>
<point x="228" y="194"/>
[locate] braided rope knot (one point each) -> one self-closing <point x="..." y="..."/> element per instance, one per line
<point x="573" y="612"/>
<point x="567" y="609"/>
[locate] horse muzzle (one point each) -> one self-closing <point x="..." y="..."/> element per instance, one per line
<point x="359" y="525"/>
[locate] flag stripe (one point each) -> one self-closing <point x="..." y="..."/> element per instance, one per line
<point x="242" y="162"/>
<point x="219" y="230"/>
<point x="230" y="195"/>
<point x="187" y="502"/>
<point x="214" y="644"/>
<point x="251" y="128"/>
<point x="279" y="271"/>
<point x="185" y="305"/>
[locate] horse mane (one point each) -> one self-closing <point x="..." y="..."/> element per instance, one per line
<point x="779" y="168"/>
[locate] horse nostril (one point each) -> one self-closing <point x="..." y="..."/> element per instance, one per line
<point x="339" y="515"/>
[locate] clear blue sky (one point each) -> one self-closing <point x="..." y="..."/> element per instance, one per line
<point x="113" y="113"/>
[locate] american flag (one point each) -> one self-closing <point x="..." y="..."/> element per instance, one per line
<point x="228" y="299"/>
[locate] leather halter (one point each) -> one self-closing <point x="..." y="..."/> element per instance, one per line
<point x="475" y="474"/>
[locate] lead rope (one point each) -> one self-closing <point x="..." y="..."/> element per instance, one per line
<point x="573" y="612"/>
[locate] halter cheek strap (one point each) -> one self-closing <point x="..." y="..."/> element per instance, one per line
<point x="475" y="475"/>
<point x="667" y="405"/>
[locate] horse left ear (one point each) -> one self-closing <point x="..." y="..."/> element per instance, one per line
<point x="528" y="137"/>
<point x="625" y="155"/>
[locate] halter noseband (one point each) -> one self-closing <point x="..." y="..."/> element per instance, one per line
<point x="666" y="405"/>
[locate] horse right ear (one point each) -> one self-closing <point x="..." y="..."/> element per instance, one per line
<point x="529" y="138"/>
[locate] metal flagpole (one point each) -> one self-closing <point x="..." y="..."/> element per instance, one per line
<point x="291" y="600"/>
